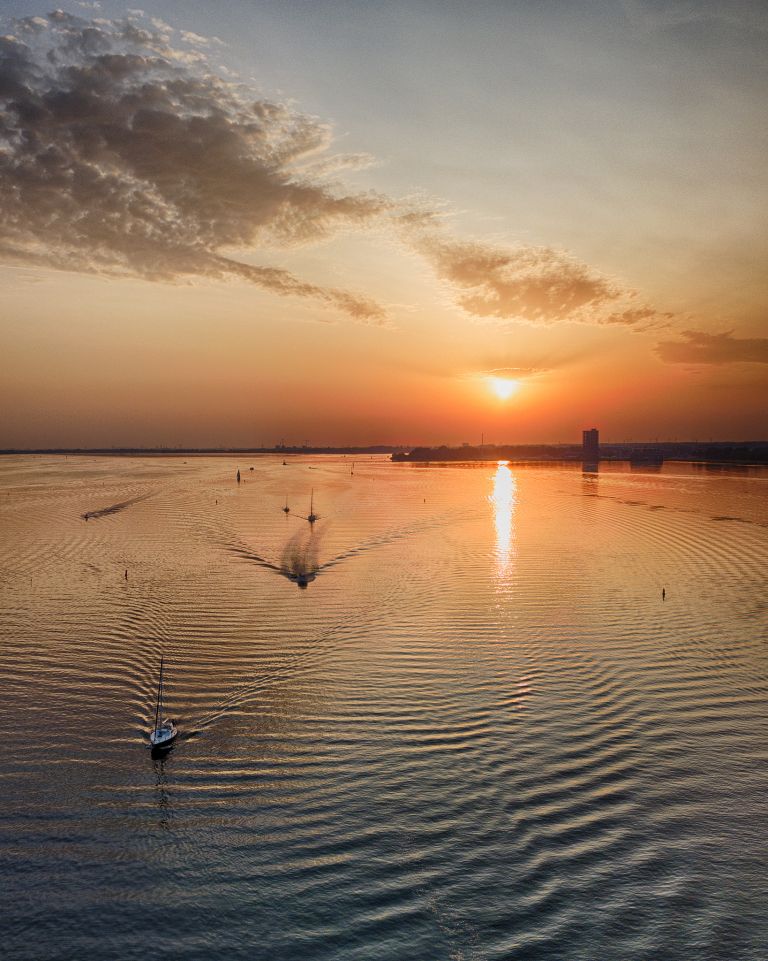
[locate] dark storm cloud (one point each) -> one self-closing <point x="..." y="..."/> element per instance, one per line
<point x="697" y="347"/>
<point x="120" y="154"/>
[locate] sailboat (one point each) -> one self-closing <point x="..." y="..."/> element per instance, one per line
<point x="286" y="509"/>
<point x="312" y="515"/>
<point x="165" y="731"/>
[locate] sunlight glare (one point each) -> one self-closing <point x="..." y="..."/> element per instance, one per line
<point x="503" y="387"/>
<point x="503" y="500"/>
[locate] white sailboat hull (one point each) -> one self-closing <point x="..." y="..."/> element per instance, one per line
<point x="163" y="736"/>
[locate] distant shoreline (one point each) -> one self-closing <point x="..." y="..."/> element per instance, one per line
<point x="192" y="451"/>
<point x="736" y="453"/>
<point x="743" y="453"/>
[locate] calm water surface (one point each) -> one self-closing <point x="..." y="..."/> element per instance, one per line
<point x="479" y="732"/>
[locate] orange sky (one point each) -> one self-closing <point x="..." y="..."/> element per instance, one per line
<point x="346" y="253"/>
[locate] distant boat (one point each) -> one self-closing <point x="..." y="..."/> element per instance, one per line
<point x="312" y="515"/>
<point x="302" y="579"/>
<point x="165" y="731"/>
<point x="286" y="509"/>
<point x="352" y="470"/>
<point x="284" y="464"/>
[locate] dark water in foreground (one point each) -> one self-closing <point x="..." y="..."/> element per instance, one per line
<point x="479" y="732"/>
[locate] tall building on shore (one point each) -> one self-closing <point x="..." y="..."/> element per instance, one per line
<point x="590" y="445"/>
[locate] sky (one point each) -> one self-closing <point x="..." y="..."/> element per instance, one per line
<point x="344" y="222"/>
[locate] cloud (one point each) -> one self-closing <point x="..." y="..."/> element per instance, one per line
<point x="516" y="373"/>
<point x="121" y="155"/>
<point x="534" y="284"/>
<point x="697" y="347"/>
<point x="744" y="15"/>
<point x="194" y="38"/>
<point x="641" y="318"/>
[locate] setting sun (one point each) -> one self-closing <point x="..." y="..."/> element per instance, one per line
<point x="503" y="387"/>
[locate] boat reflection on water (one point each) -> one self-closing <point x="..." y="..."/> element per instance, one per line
<point x="161" y="751"/>
<point x="162" y="795"/>
<point x="504" y="500"/>
<point x="590" y="475"/>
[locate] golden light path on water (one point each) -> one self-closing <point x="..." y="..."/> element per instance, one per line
<point x="504" y="499"/>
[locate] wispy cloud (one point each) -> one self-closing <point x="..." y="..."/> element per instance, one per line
<point x="539" y="285"/>
<point x="665" y="14"/>
<point x="640" y="318"/>
<point x="697" y="347"/>
<point x="514" y="372"/>
<point x="121" y="154"/>
<point x="196" y="40"/>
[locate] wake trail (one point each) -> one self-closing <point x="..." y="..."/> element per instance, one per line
<point x="114" y="508"/>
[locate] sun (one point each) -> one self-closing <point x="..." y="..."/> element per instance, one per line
<point x="503" y="387"/>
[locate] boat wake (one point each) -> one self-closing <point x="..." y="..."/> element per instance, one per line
<point x="292" y="665"/>
<point x="396" y="534"/>
<point x="299" y="560"/>
<point x="114" y="508"/>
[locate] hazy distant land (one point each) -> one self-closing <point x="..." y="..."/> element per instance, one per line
<point x="713" y="452"/>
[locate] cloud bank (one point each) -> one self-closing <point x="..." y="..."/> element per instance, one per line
<point x="125" y="154"/>
<point x="121" y="154"/>
<point x="697" y="347"/>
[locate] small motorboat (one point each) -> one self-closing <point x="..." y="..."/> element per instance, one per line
<point x="303" y="578"/>
<point x="165" y="731"/>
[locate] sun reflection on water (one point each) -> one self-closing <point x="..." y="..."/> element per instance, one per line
<point x="504" y="501"/>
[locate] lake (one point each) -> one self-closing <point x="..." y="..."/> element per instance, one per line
<point x="479" y="732"/>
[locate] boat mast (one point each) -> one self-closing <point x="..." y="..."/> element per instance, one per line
<point x="159" y="694"/>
